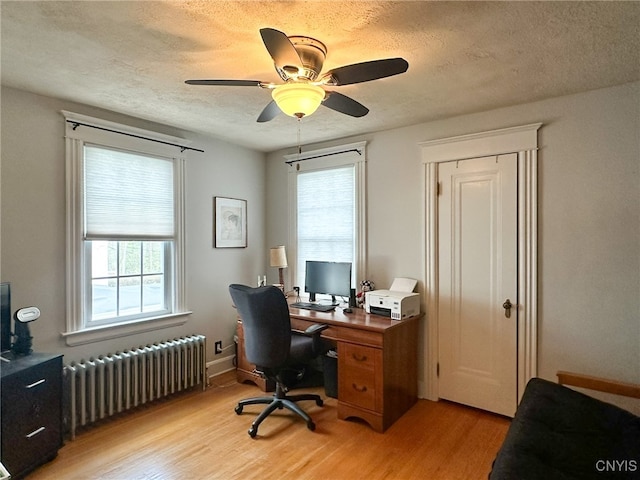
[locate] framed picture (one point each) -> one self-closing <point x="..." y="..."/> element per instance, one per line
<point x="229" y="222"/>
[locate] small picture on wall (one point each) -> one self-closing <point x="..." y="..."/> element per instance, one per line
<point x="229" y="222"/>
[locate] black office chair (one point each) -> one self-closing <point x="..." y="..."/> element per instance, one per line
<point x="278" y="352"/>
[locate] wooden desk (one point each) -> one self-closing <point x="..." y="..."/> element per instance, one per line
<point x="377" y="362"/>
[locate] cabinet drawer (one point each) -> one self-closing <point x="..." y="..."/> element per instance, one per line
<point x="31" y="414"/>
<point x="33" y="397"/>
<point x="21" y="450"/>
<point x="358" y="375"/>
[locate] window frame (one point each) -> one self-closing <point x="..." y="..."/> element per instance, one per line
<point x="353" y="154"/>
<point x="107" y="134"/>
<point x="90" y="322"/>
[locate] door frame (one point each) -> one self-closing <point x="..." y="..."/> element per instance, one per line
<point x="522" y="140"/>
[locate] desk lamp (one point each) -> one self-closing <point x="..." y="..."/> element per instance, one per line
<point x="278" y="258"/>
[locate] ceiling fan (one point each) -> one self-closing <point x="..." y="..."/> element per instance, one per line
<point x="298" y="60"/>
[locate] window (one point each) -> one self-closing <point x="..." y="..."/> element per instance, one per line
<point x="125" y="232"/>
<point x="128" y="278"/>
<point x="327" y="209"/>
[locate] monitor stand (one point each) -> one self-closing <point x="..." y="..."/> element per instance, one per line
<point x="312" y="298"/>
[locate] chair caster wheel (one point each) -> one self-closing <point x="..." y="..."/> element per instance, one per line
<point x="238" y="409"/>
<point x="311" y="426"/>
<point x="319" y="402"/>
<point x="253" y="432"/>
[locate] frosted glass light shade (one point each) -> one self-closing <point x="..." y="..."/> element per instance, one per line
<point x="298" y="99"/>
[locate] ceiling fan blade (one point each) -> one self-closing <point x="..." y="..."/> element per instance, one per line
<point x="343" y="104"/>
<point x="280" y="48"/>
<point x="230" y="83"/>
<point x="366" y="71"/>
<point x="270" y="112"/>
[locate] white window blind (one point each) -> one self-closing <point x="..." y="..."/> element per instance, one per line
<point x="128" y="195"/>
<point x="325" y="216"/>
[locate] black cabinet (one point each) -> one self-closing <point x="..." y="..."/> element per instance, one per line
<point x="31" y="411"/>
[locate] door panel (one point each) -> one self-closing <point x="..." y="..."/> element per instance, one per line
<point x="477" y="225"/>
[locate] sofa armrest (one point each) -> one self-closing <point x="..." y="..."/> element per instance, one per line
<point x="599" y="384"/>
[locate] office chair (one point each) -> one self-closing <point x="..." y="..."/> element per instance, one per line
<point x="277" y="352"/>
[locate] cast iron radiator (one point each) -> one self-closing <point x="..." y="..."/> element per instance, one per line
<point x="111" y="384"/>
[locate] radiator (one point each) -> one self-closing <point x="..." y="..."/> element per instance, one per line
<point x="111" y="384"/>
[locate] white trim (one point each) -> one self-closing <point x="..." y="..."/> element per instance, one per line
<point x="333" y="157"/>
<point x="75" y="286"/>
<point x="527" y="268"/>
<point x="179" y="256"/>
<point x="523" y="141"/>
<point x="429" y="388"/>
<point x="102" y="137"/>
<point x="220" y="366"/>
<point x="108" y="332"/>
<point x="361" y="226"/>
<point x="76" y="332"/>
<point x="330" y="154"/>
<point x="483" y="144"/>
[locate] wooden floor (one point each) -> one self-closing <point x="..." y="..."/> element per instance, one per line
<point x="197" y="435"/>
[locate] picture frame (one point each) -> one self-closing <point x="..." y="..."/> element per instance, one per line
<point x="229" y="222"/>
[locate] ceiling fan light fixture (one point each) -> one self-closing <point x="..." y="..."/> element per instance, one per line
<point x="298" y="99"/>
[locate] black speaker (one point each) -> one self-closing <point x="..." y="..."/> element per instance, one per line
<point x="352" y="299"/>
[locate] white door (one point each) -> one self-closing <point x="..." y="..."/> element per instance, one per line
<point x="477" y="265"/>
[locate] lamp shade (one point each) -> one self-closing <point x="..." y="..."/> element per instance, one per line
<point x="298" y="99"/>
<point x="278" y="256"/>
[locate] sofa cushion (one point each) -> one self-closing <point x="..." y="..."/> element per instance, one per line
<point x="559" y="433"/>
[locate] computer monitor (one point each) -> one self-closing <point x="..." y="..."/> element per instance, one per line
<point x="328" y="278"/>
<point x="5" y="317"/>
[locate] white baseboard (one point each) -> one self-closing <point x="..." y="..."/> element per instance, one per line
<point x="222" y="365"/>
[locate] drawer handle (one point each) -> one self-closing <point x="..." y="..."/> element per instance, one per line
<point x="36" y="432"/>
<point x="35" y="384"/>
<point x="359" y="358"/>
<point x="359" y="389"/>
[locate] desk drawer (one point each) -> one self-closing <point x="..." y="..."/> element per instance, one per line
<point x="360" y="368"/>
<point x="342" y="332"/>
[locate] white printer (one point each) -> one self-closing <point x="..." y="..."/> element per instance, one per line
<point x="399" y="302"/>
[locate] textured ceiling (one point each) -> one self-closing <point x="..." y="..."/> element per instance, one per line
<point x="132" y="57"/>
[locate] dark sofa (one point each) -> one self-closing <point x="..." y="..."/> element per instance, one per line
<point x="559" y="433"/>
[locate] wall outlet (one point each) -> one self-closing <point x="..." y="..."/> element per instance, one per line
<point x="218" y="347"/>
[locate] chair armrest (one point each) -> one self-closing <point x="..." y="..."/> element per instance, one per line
<point x="320" y="346"/>
<point x="315" y="329"/>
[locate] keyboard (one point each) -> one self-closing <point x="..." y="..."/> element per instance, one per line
<point x="316" y="307"/>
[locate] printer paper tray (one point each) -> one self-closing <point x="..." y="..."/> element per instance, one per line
<point x="385" y="312"/>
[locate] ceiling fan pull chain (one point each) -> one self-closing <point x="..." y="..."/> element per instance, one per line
<point x="299" y="145"/>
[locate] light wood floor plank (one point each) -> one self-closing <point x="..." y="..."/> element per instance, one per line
<point x="197" y="435"/>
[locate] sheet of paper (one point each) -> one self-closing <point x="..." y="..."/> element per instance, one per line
<point x="403" y="285"/>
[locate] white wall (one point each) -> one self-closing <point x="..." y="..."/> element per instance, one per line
<point x="589" y="225"/>
<point x="33" y="225"/>
<point x="589" y="220"/>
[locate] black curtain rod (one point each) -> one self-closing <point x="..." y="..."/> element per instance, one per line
<point x="181" y="147"/>
<point x="291" y="162"/>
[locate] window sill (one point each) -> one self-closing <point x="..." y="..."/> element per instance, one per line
<point x="98" y="334"/>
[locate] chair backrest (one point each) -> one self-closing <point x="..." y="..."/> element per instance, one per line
<point x="265" y="322"/>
